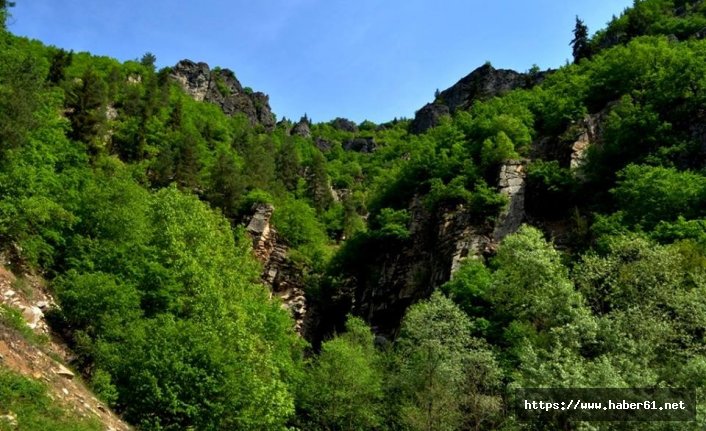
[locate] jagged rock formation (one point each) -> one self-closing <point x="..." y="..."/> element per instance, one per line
<point x="591" y="135"/>
<point x="301" y="129"/>
<point x="345" y="125"/>
<point x="222" y="88"/>
<point x="428" y="116"/>
<point x="279" y="273"/>
<point x="483" y="83"/>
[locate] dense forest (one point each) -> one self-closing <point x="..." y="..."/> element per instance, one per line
<point x="134" y="198"/>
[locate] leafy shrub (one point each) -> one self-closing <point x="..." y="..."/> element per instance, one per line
<point x="393" y="224"/>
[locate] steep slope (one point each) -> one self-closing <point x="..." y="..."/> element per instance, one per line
<point x="42" y="360"/>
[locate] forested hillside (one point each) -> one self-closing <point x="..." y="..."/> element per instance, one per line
<point x="217" y="268"/>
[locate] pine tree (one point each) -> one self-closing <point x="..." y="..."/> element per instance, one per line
<point x="319" y="186"/>
<point x="148" y="60"/>
<point x="4" y="5"/>
<point x="60" y="60"/>
<point x="86" y="104"/>
<point x="580" y="43"/>
<point x="227" y="185"/>
<point x="288" y="164"/>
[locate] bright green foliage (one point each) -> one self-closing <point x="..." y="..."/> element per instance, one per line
<point x="34" y="409"/>
<point x="185" y="330"/>
<point x="650" y="299"/>
<point x="393" y="223"/>
<point x="342" y="388"/>
<point x="648" y="195"/>
<point x="468" y="288"/>
<point x="128" y="195"/>
<point x="681" y="229"/>
<point x="496" y="150"/>
<point x="531" y="284"/>
<point x="682" y="18"/>
<point x="296" y="221"/>
<point x="446" y="376"/>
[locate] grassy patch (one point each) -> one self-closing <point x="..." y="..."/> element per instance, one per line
<point x="28" y="404"/>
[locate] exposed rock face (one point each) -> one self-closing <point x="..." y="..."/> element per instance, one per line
<point x="28" y="295"/>
<point x="427" y="117"/>
<point x="32" y="307"/>
<point x="322" y="144"/>
<point x="222" y="88"/>
<point x="483" y="83"/>
<point x="512" y="185"/>
<point x="590" y="136"/>
<point x="278" y="271"/>
<point x="361" y="145"/>
<point x="345" y="125"/>
<point x="405" y="272"/>
<point x="301" y="129"/>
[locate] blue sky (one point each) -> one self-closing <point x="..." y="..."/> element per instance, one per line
<point x="360" y="59"/>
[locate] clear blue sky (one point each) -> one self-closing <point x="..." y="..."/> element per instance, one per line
<point x="360" y="59"/>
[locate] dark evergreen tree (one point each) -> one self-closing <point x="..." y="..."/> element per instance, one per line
<point x="86" y="103"/>
<point x="288" y="164"/>
<point x="60" y="60"/>
<point x="259" y="162"/>
<point x="227" y="185"/>
<point x="4" y="5"/>
<point x="319" y="186"/>
<point x="19" y="75"/>
<point x="186" y="162"/>
<point x="580" y="43"/>
<point x="148" y="60"/>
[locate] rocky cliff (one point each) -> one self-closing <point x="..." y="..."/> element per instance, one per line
<point x="279" y="273"/>
<point x="222" y="88"/>
<point x="403" y="272"/>
<point x="483" y="83"/>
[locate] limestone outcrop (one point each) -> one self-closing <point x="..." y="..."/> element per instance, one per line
<point x="279" y="273"/>
<point x="222" y="88"/>
<point x="511" y="184"/>
<point x="483" y="83"/>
